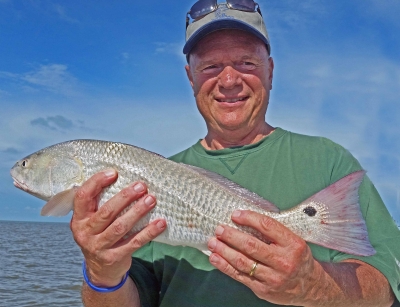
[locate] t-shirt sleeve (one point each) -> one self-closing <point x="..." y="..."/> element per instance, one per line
<point x="145" y="279"/>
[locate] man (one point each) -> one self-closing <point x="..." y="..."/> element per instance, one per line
<point x="231" y="71"/>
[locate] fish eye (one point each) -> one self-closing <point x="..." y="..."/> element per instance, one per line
<point x="24" y="163"/>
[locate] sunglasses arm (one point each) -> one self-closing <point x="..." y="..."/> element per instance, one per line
<point x="258" y="9"/>
<point x="187" y="19"/>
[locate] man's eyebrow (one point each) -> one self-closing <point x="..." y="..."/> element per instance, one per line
<point x="250" y="57"/>
<point x="213" y="61"/>
<point x="206" y="62"/>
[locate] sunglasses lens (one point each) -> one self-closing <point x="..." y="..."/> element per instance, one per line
<point x="202" y="8"/>
<point x="243" y="5"/>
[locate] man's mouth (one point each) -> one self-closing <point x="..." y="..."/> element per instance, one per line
<point x="232" y="100"/>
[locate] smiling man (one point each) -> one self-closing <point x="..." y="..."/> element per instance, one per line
<point x="231" y="72"/>
<point x="231" y="75"/>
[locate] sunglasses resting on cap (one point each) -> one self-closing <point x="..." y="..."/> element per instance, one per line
<point x="209" y="16"/>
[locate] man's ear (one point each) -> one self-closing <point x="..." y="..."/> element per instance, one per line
<point x="271" y="70"/>
<point x="189" y="75"/>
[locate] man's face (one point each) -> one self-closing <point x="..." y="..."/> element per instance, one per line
<point x="231" y="75"/>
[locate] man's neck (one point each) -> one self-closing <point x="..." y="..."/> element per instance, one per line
<point x="216" y="141"/>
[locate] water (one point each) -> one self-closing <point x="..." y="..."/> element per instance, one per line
<point x="40" y="265"/>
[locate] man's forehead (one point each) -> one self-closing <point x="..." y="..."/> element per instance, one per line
<point x="228" y="36"/>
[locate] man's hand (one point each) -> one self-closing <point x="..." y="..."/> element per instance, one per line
<point x="100" y="234"/>
<point x="285" y="269"/>
<point x="284" y="272"/>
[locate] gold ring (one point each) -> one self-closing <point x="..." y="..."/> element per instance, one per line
<point x="253" y="268"/>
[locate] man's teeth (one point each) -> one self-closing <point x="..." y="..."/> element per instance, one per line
<point x="231" y="100"/>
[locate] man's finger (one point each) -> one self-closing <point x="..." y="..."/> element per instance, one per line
<point x="271" y="229"/>
<point x="244" y="243"/>
<point x="240" y="268"/>
<point x="124" y="223"/>
<point x="136" y="241"/>
<point x="108" y="212"/>
<point x="86" y="197"/>
<point x="239" y="261"/>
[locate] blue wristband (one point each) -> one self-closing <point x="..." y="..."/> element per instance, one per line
<point x="99" y="289"/>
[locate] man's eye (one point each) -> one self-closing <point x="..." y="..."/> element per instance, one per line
<point x="248" y="65"/>
<point x="210" y="69"/>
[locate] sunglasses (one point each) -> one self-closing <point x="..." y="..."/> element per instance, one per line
<point x="204" y="7"/>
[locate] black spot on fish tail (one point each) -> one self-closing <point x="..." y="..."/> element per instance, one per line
<point x="310" y="211"/>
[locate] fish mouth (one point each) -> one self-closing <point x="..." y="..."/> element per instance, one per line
<point x="17" y="183"/>
<point x="20" y="185"/>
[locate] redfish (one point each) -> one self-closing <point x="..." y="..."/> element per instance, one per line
<point x="192" y="200"/>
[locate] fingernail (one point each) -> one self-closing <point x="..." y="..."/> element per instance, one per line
<point x="219" y="230"/>
<point x="212" y="244"/>
<point x="149" y="200"/>
<point x="160" y="225"/>
<point x="138" y="187"/>
<point x="214" y="259"/>
<point x="109" y="172"/>
<point x="236" y="213"/>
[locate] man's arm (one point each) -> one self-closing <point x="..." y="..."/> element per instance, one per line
<point x="100" y="235"/>
<point x="126" y="296"/>
<point x="287" y="273"/>
<point x="352" y="281"/>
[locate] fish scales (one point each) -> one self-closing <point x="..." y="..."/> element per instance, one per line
<point x="174" y="193"/>
<point x="192" y="200"/>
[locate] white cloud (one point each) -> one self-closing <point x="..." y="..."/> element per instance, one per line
<point x="281" y="15"/>
<point x="57" y="122"/>
<point x="52" y="77"/>
<point x="172" y="48"/>
<point x="8" y="75"/>
<point x="4" y="93"/>
<point x="61" y="12"/>
<point x="125" y="55"/>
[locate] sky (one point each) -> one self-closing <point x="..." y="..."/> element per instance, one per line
<point x="114" y="70"/>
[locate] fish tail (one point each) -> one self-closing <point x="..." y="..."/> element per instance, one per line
<point x="341" y="225"/>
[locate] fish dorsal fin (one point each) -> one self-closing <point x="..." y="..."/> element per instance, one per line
<point x="60" y="204"/>
<point x="241" y="192"/>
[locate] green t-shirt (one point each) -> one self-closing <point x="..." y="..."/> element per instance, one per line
<point x="285" y="168"/>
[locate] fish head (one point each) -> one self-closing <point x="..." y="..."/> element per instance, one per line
<point x="48" y="172"/>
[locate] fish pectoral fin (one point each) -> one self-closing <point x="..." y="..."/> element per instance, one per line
<point x="60" y="204"/>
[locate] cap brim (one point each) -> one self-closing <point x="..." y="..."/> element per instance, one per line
<point x="221" y="24"/>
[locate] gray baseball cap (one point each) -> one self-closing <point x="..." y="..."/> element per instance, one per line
<point x="226" y="18"/>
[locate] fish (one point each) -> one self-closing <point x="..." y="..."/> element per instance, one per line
<point x="192" y="200"/>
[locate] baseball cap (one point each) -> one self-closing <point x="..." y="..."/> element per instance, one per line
<point x="226" y="18"/>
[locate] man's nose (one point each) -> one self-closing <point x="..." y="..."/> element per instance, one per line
<point x="229" y="78"/>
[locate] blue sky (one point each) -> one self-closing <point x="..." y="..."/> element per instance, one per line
<point x="114" y="70"/>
